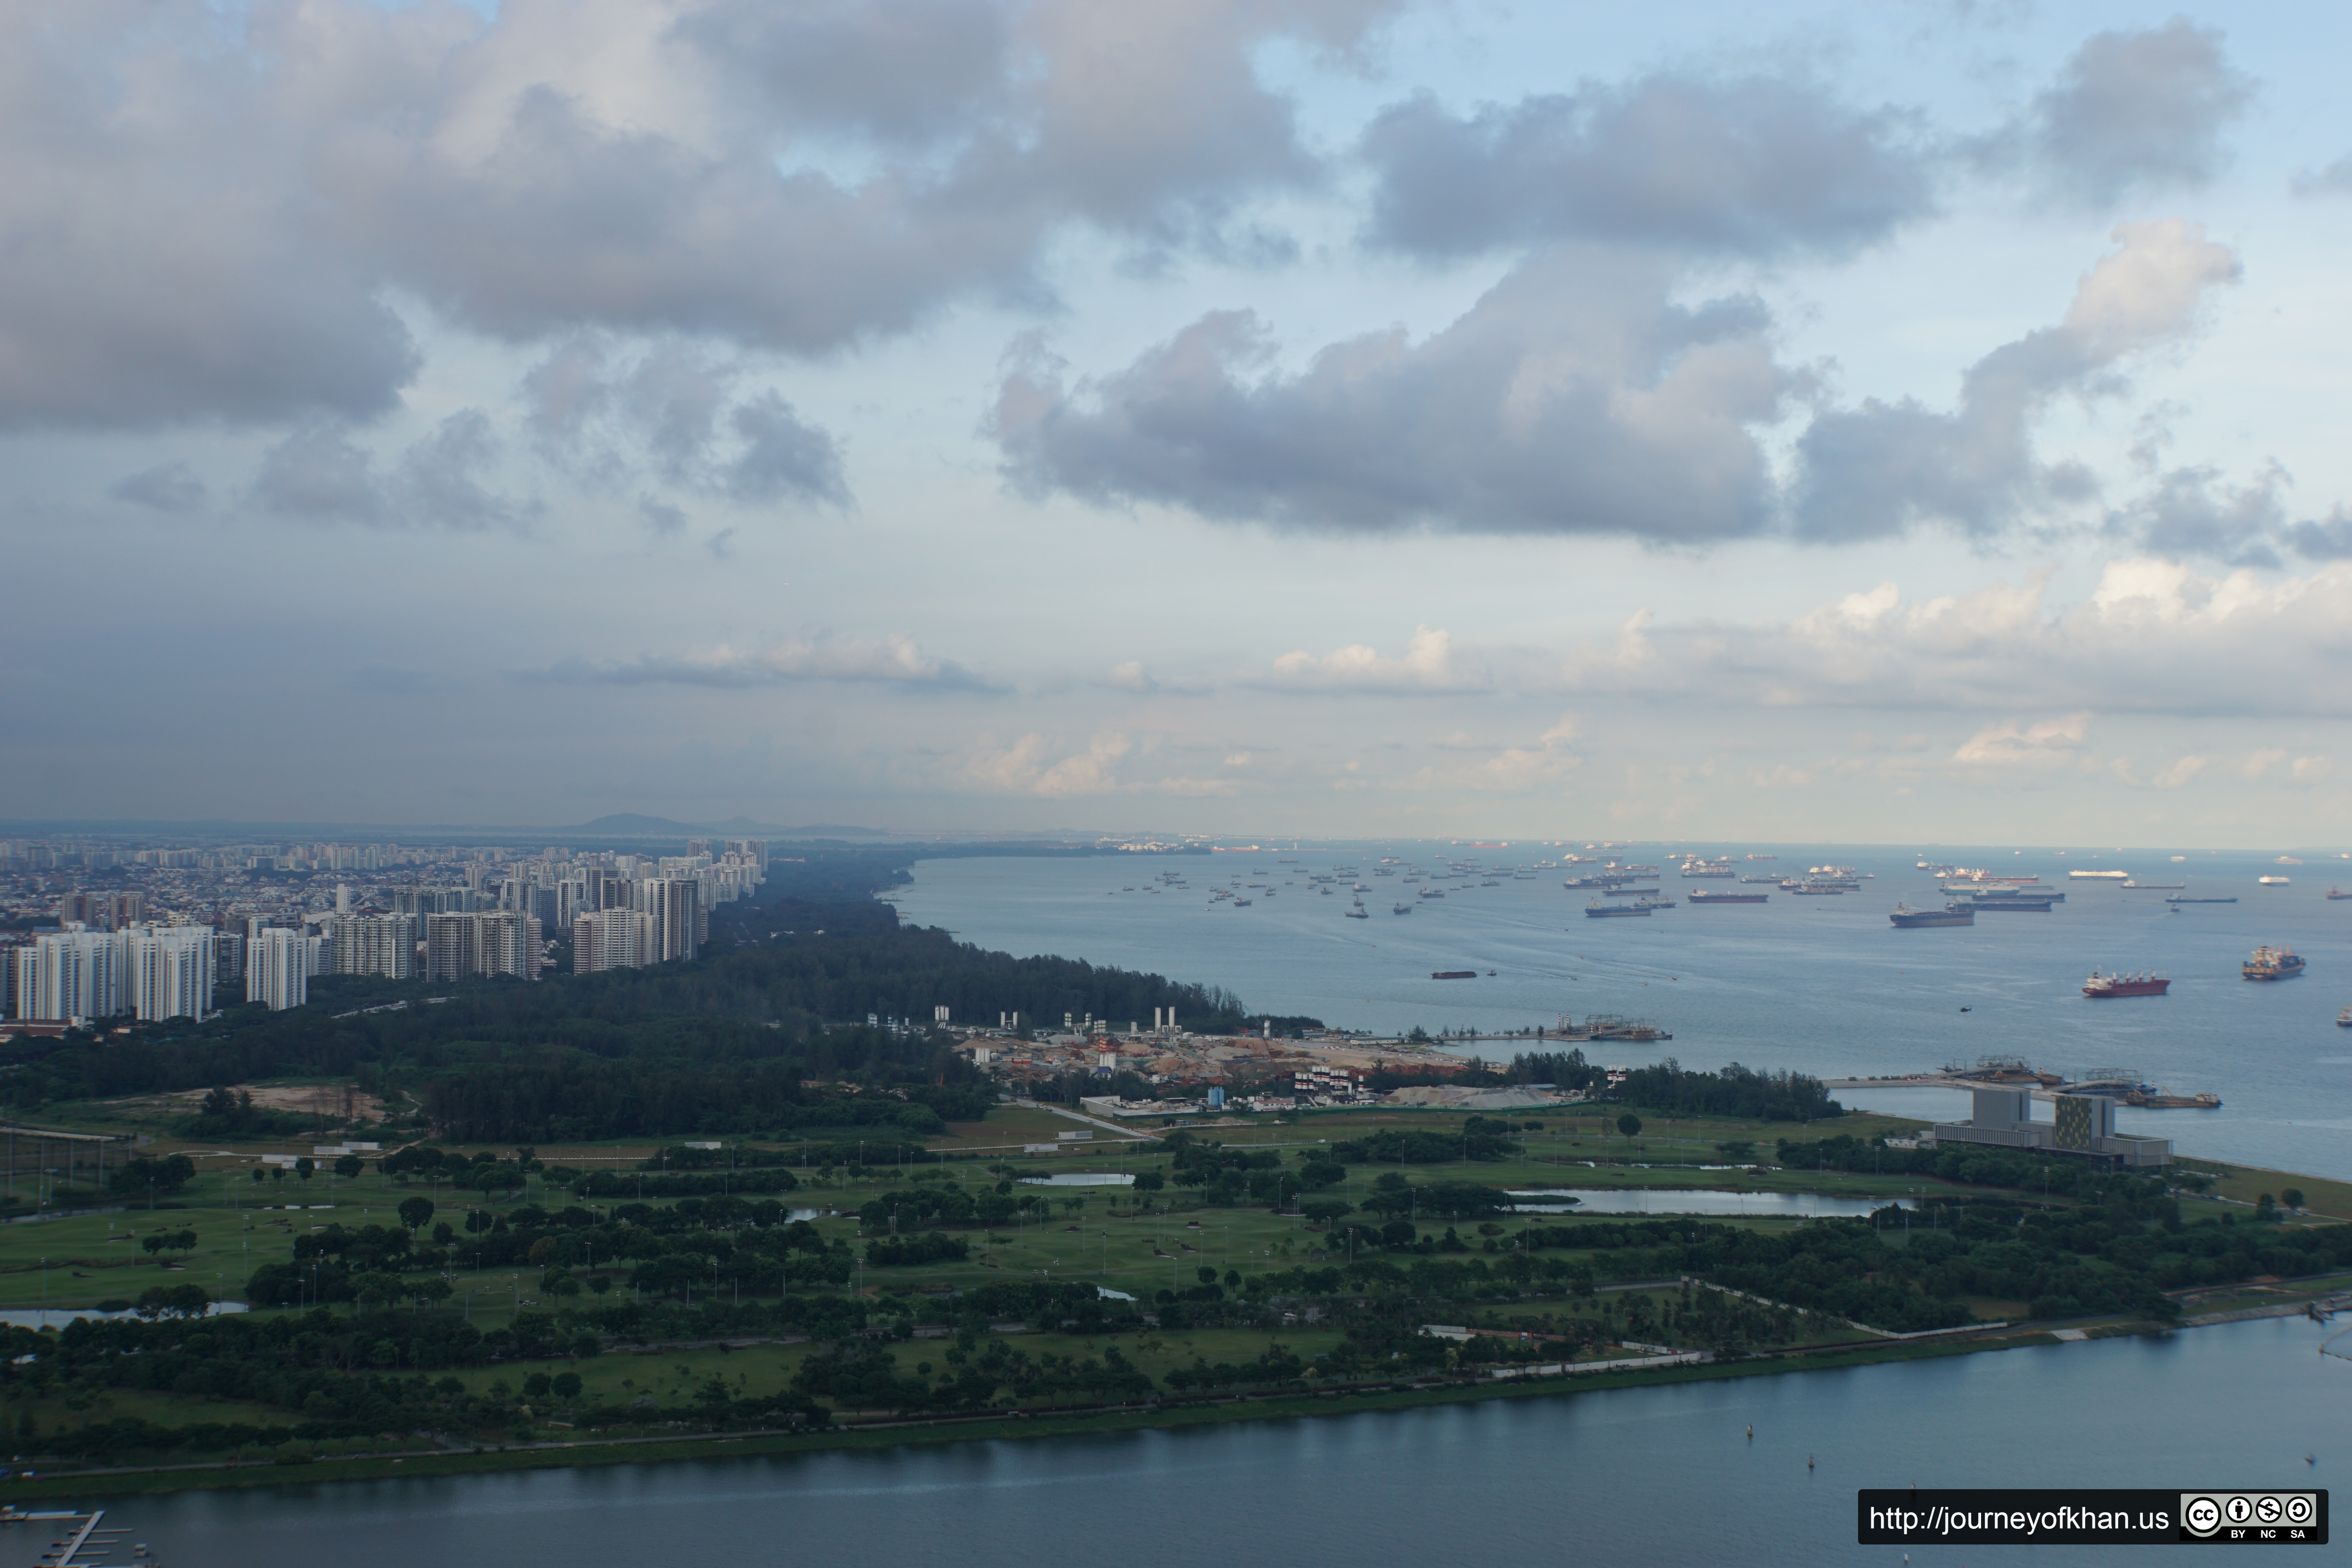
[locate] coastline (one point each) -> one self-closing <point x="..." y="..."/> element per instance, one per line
<point x="1007" y="1425"/>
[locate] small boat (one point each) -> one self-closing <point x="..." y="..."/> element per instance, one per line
<point x="2344" y="1019"/>
<point x="1241" y="903"/>
<point x="1360" y="913"/>
<point x="2333" y="895"/>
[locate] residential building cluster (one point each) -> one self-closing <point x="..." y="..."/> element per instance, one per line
<point x="95" y="928"/>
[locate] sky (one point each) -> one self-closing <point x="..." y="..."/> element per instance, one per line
<point x="1907" y="422"/>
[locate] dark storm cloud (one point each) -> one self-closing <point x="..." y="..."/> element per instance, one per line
<point x="1754" y="165"/>
<point x="2136" y="110"/>
<point x="2325" y="539"/>
<point x="205" y="207"/>
<point x="1574" y="397"/>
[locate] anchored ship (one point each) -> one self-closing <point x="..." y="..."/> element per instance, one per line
<point x="2105" y="985"/>
<point x="1956" y="913"/>
<point x="1597" y="911"/>
<point x="1701" y="896"/>
<point x="2272" y="963"/>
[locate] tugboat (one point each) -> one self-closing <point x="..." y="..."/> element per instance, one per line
<point x="2272" y="963"/>
<point x="2100" y="986"/>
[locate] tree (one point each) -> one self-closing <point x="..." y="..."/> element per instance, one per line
<point x="415" y="1212"/>
<point x="349" y="1166"/>
<point x="175" y="1301"/>
<point x="306" y="1167"/>
<point x="2291" y="1197"/>
<point x="1629" y="1124"/>
<point x="1323" y="1211"/>
<point x="566" y="1385"/>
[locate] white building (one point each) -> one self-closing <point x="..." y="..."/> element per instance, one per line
<point x="167" y="971"/>
<point x="70" y="974"/>
<point x="278" y="964"/>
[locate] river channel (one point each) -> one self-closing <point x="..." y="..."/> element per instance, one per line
<point x="1664" y="1476"/>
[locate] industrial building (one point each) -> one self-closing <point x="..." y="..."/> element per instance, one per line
<point x="2085" y="1125"/>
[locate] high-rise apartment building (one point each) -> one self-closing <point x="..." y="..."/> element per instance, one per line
<point x="70" y="974"/>
<point x="610" y="939"/>
<point x="167" y="971"/>
<point x="491" y="941"/>
<point x="374" y="944"/>
<point x="278" y="964"/>
<point x="678" y="923"/>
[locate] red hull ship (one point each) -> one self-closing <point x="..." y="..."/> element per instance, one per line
<point x="2105" y="985"/>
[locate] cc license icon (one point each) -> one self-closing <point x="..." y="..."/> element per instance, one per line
<point x="2238" y="1511"/>
<point x="2202" y="1515"/>
<point x="2299" y="1511"/>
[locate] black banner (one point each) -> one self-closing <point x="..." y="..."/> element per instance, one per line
<point x="2062" y="1516"/>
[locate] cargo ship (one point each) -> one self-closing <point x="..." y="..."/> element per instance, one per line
<point x="2105" y="985"/>
<point x="2272" y="963"/>
<point x="1701" y="896"/>
<point x="1956" y="913"/>
<point x="2273" y="881"/>
<point x="2099" y="876"/>
<point x="1819" y="889"/>
<point x="2228" y="900"/>
<point x="1597" y="911"/>
<point x="1453" y="974"/>
<point x="2333" y="895"/>
<point x="2029" y="906"/>
<point x="1401" y="909"/>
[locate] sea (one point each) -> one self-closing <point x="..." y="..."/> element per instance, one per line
<point x="1824" y="986"/>
<point x="1758" y="1471"/>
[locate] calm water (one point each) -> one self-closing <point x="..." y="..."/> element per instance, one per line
<point x="1823" y="984"/>
<point x="1635" y="1477"/>
<point x="1666" y="1200"/>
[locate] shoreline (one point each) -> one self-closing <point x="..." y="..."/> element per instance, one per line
<point x="999" y="1426"/>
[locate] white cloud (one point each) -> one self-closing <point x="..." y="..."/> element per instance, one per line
<point x="2181" y="771"/>
<point x="2262" y="762"/>
<point x="1430" y="667"/>
<point x="2049" y="742"/>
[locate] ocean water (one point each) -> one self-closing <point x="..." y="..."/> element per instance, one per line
<point x="1824" y="986"/>
<point x="1646" y="1478"/>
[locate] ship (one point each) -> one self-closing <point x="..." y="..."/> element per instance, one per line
<point x="2177" y="901"/>
<point x="2099" y="876"/>
<point x="2344" y="1019"/>
<point x="1597" y="911"/>
<point x="2105" y="985"/>
<point x="1607" y="1026"/>
<point x="2165" y="1100"/>
<point x="1431" y="893"/>
<point x="1701" y="896"/>
<point x="1815" y="889"/>
<point x="1710" y="868"/>
<point x="1241" y="903"/>
<point x="2012" y="904"/>
<point x="2154" y="886"/>
<point x="1956" y="913"/>
<point x="2272" y="963"/>
<point x="1401" y="909"/>
<point x="1653" y="901"/>
<point x="1984" y="896"/>
<point x="1772" y="880"/>
<point x="2333" y="895"/>
<point x="2273" y="881"/>
<point x="1360" y="913"/>
<point x="1453" y="974"/>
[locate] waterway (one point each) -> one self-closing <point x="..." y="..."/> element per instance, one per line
<point x="1638" y="1477"/>
<point x="1678" y="1200"/>
<point x="1824" y="985"/>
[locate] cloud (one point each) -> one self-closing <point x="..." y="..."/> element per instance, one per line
<point x="2181" y="771"/>
<point x="2136" y="111"/>
<point x="1517" y="768"/>
<point x="2011" y="745"/>
<point x="782" y="457"/>
<point x="1879" y="468"/>
<point x="2154" y="636"/>
<point x="2335" y="180"/>
<point x="893" y="661"/>
<point x="212" y="204"/>
<point x="1131" y="677"/>
<point x="1430" y="667"/>
<point x="2260" y="762"/>
<point x="1576" y="396"/>
<point x="2193" y="511"/>
<point x="2329" y="539"/>
<point x="321" y="475"/>
<point x="168" y="487"/>
<point x="1753" y="165"/>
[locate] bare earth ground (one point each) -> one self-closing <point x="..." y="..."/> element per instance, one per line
<point x="329" y="1100"/>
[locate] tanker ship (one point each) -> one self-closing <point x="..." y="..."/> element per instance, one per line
<point x="2105" y="985"/>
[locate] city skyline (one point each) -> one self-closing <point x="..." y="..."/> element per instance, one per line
<point x="1348" y="419"/>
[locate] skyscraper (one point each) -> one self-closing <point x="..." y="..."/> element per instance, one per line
<point x="168" y="971"/>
